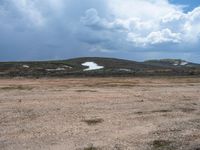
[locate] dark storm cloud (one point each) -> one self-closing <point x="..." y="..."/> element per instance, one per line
<point x="38" y="30"/>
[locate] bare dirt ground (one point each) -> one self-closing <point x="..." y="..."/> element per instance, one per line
<point x="100" y="114"/>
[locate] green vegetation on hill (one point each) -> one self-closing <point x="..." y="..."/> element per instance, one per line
<point x="112" y="67"/>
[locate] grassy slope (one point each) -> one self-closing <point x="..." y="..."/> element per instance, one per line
<point x="112" y="67"/>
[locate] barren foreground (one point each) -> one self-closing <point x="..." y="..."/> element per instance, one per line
<point x="100" y="114"/>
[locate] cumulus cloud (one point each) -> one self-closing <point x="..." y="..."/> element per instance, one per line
<point x="92" y="19"/>
<point x="158" y="37"/>
<point x="160" y="23"/>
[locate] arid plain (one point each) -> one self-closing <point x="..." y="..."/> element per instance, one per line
<point x="154" y="113"/>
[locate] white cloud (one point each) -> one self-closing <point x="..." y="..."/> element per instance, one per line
<point x="194" y="15"/>
<point x="144" y="9"/>
<point x="148" y="22"/>
<point x="56" y="5"/>
<point x="92" y="19"/>
<point x="29" y="11"/>
<point x="163" y="36"/>
<point x="158" y="37"/>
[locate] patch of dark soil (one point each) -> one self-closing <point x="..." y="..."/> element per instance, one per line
<point x="154" y="111"/>
<point x="195" y="147"/>
<point x="161" y="111"/>
<point x="93" y="121"/>
<point x="162" y="145"/>
<point x="18" y="87"/>
<point x="140" y="112"/>
<point x="91" y="147"/>
<point x="187" y="110"/>
<point x="86" y="91"/>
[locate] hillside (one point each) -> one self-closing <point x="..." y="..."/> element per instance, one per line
<point x="172" y="63"/>
<point x="95" y="66"/>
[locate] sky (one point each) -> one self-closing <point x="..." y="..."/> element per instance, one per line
<point x="129" y="29"/>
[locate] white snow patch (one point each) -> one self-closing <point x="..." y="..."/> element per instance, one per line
<point x="183" y="63"/>
<point x="127" y="70"/>
<point x="176" y="64"/>
<point x="25" y="66"/>
<point x="57" y="69"/>
<point x="91" y="66"/>
<point x="67" y="66"/>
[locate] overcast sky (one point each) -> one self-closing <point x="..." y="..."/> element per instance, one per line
<point x="130" y="29"/>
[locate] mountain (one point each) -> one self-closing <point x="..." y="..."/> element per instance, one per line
<point x="96" y="66"/>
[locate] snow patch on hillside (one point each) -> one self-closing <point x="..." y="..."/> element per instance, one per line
<point x="184" y="63"/>
<point x="127" y="70"/>
<point x="25" y="66"/>
<point x="57" y="69"/>
<point x="91" y="66"/>
<point x="65" y="66"/>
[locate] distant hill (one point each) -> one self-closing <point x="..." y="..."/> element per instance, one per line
<point x="97" y="66"/>
<point x="172" y="63"/>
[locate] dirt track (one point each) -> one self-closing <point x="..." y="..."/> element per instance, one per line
<point x="100" y="114"/>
